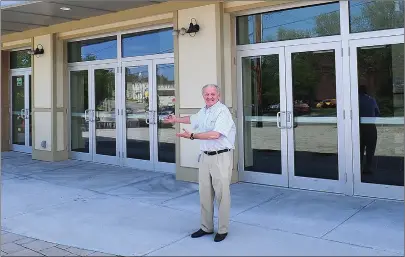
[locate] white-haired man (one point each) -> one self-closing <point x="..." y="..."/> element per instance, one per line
<point x="216" y="131"/>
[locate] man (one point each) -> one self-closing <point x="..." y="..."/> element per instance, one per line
<point x="368" y="131"/>
<point x="216" y="131"/>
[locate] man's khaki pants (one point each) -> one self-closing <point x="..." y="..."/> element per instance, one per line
<point x="215" y="172"/>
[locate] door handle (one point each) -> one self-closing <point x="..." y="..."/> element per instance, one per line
<point x="147" y="116"/>
<point x="27" y="113"/>
<point x="290" y="121"/>
<point x="22" y="113"/>
<point x="86" y="116"/>
<point x="278" y="120"/>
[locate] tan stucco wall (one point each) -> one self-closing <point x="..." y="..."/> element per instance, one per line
<point x="202" y="61"/>
<point x="5" y="101"/>
<point x="49" y="100"/>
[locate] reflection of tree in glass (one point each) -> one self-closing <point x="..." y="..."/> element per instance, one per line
<point x="20" y="59"/>
<point x="375" y="68"/>
<point x="306" y="74"/>
<point x="377" y="15"/>
<point x="104" y="88"/>
<point x="270" y="80"/>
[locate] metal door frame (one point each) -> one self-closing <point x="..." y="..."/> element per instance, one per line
<point x="99" y="158"/>
<point x="26" y="72"/>
<point x="360" y="188"/>
<point x="259" y="177"/>
<point x="327" y="185"/>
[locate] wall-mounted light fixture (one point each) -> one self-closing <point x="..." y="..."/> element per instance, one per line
<point x="192" y="29"/>
<point x="39" y="50"/>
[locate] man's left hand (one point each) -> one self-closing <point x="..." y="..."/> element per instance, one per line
<point x="185" y="134"/>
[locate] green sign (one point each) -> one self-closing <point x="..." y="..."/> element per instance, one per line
<point x="19" y="82"/>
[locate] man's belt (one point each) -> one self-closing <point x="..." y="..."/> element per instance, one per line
<point x="216" y="152"/>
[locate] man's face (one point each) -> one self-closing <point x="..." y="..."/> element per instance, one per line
<point x="211" y="96"/>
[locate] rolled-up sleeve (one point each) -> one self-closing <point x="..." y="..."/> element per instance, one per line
<point x="194" y="120"/>
<point x="224" y="123"/>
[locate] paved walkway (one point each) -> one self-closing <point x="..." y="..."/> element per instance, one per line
<point x="17" y="245"/>
<point x="68" y="206"/>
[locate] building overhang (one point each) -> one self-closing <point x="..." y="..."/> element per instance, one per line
<point x="28" y="19"/>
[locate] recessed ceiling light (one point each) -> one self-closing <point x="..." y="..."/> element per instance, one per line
<point x="65" y="8"/>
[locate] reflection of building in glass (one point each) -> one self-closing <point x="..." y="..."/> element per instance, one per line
<point x="137" y="92"/>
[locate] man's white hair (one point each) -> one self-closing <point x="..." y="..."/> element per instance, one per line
<point x="211" y="85"/>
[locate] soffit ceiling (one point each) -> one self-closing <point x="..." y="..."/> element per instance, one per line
<point x="18" y="16"/>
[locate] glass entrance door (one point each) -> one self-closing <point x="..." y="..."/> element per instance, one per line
<point x="315" y="117"/>
<point x="93" y="97"/>
<point x="148" y="96"/>
<point x="293" y="123"/>
<point x="263" y="151"/>
<point x="377" y="86"/>
<point x="21" y="121"/>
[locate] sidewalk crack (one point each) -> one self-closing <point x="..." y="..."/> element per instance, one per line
<point x="359" y="210"/>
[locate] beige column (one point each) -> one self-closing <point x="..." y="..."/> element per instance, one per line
<point x="49" y="101"/>
<point x="202" y="59"/>
<point x="5" y="102"/>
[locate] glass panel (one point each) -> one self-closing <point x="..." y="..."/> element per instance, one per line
<point x="381" y="111"/>
<point x="304" y="22"/>
<point x="18" y="102"/>
<point x="261" y="102"/>
<point x="315" y="122"/>
<point x="30" y="110"/>
<point x="166" y="105"/>
<point x="92" y="49"/>
<point x="137" y="108"/>
<point x="79" y="103"/>
<point x="20" y="59"/>
<point x="147" y="43"/>
<point x="366" y="15"/>
<point x="106" y="135"/>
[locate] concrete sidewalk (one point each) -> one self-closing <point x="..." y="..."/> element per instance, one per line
<point x="122" y="211"/>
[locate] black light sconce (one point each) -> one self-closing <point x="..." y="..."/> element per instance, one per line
<point x="192" y="29"/>
<point x="39" y="50"/>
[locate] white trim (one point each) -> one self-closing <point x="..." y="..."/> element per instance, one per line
<point x="346" y="94"/>
<point x="91" y="63"/>
<point x="19" y="49"/>
<point x="376" y="34"/>
<point x="280" y="7"/>
<point x="98" y="36"/>
<point x="149" y="28"/>
<point x="295" y="42"/>
<point x="147" y="57"/>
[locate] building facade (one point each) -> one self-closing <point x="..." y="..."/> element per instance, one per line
<point x="315" y="87"/>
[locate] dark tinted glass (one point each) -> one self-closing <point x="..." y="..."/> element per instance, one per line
<point x="20" y="59"/>
<point x="147" y="43"/>
<point x="92" y="49"/>
<point x="304" y="22"/>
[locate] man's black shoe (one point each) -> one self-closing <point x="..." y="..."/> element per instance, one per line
<point x="200" y="233"/>
<point x="220" y="237"/>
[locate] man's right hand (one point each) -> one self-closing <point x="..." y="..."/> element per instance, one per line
<point x="170" y="119"/>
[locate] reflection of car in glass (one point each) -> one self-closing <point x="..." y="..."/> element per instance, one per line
<point x="301" y="108"/>
<point x="327" y="103"/>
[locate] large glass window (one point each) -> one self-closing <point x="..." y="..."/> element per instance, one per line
<point x="381" y="113"/>
<point x="304" y="22"/>
<point x="92" y="49"/>
<point x="20" y="59"/>
<point x="366" y="15"/>
<point x="147" y="43"/>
